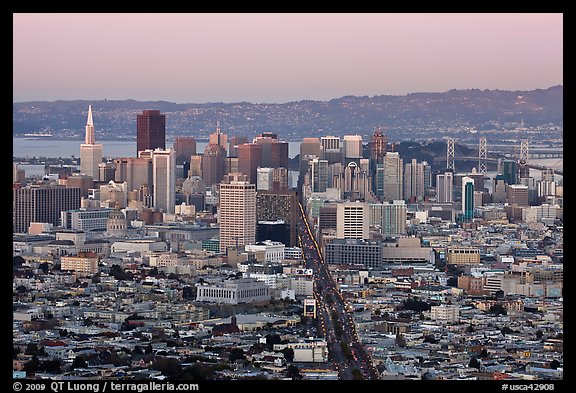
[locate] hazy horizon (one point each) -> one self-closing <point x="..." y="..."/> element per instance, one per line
<point x="279" y="58"/>
<point x="277" y="103"/>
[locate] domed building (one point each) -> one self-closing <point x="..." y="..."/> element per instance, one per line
<point x="117" y="225"/>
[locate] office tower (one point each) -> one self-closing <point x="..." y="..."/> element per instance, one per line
<point x="414" y="181"/>
<point x="517" y="194"/>
<point x="90" y="151"/>
<point x="164" y="179"/>
<point x="309" y="148"/>
<point x="444" y="185"/>
<point x="237" y="212"/>
<point x="280" y="179"/>
<point x="330" y="149"/>
<point x="427" y="176"/>
<point x="467" y="198"/>
<point x="378" y="181"/>
<point x="478" y="180"/>
<point x="274" y="152"/>
<point x="184" y="147"/>
<point x="18" y="175"/>
<point x="114" y="195"/>
<point x="510" y="171"/>
<point x="213" y="164"/>
<point x="231" y="165"/>
<point x="279" y="205"/>
<point x="379" y="145"/>
<point x="235" y="141"/>
<point x="499" y="189"/>
<point x="218" y="138"/>
<point x="318" y="175"/>
<point x="150" y="130"/>
<point x="353" y="220"/>
<point x="392" y="177"/>
<point x="195" y="166"/>
<point x="393" y="218"/>
<point x="41" y="204"/>
<point x="328" y="217"/>
<point x="83" y="182"/>
<point x="135" y="171"/>
<point x="107" y="171"/>
<point x="264" y="179"/>
<point x="272" y="179"/>
<point x="249" y="159"/>
<point x="352" y="146"/>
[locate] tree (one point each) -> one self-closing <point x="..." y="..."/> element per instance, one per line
<point x="400" y="340"/>
<point x="293" y="372"/>
<point x="32" y="365"/>
<point x="79" y="362"/>
<point x="236" y="354"/>
<point x="484" y="353"/>
<point x="474" y="363"/>
<point x="18" y="261"/>
<point x="554" y="364"/>
<point x="168" y="366"/>
<point x="497" y="309"/>
<point x="356" y="374"/>
<point x="470" y="329"/>
<point x="288" y="354"/>
<point x="44" y="267"/>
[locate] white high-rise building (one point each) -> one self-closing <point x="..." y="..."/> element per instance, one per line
<point x="352" y="146"/>
<point x="414" y="180"/>
<point x="352" y="220"/>
<point x="90" y="151"/>
<point x="444" y="187"/>
<point x="164" y="179"/>
<point x="264" y="178"/>
<point x="393" y="218"/>
<point x="392" y="176"/>
<point x="237" y="212"/>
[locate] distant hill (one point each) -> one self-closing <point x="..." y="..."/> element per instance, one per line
<point x="415" y="113"/>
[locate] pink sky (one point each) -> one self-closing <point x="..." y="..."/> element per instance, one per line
<point x="274" y="58"/>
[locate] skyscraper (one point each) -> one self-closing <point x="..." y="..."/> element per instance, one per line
<point x="135" y="171"/>
<point x="353" y="220"/>
<point x="164" y="179"/>
<point x="444" y="184"/>
<point x="379" y="146"/>
<point x="330" y="149"/>
<point x="510" y="171"/>
<point x="279" y="205"/>
<point x="309" y="148"/>
<point x="467" y="198"/>
<point x="414" y="180"/>
<point x="150" y="130"/>
<point x="318" y="175"/>
<point x="219" y="138"/>
<point x="90" y="151"/>
<point x="237" y="211"/>
<point x="184" y="148"/>
<point x="393" y="218"/>
<point x="392" y="176"/>
<point x="352" y="146"/>
<point x="42" y="204"/>
<point x="212" y="164"/>
<point x="249" y="159"/>
<point x="274" y="152"/>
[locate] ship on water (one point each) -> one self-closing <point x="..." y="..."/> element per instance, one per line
<point x="36" y="135"/>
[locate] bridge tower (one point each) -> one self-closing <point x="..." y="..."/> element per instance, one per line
<point x="482" y="153"/>
<point x="450" y="154"/>
<point x="523" y="160"/>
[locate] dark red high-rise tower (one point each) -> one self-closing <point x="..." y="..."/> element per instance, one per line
<point x="150" y="130"/>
